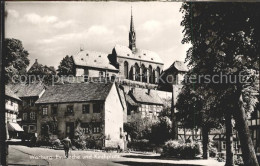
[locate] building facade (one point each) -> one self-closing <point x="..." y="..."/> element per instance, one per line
<point x="12" y="109"/>
<point x="28" y="111"/>
<point x="96" y="109"/>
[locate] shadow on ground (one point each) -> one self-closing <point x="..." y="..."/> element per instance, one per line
<point x="134" y="163"/>
<point x="156" y="157"/>
<point x="10" y="164"/>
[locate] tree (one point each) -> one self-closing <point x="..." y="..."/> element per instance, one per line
<point x="66" y="66"/>
<point x="16" y="58"/>
<point x="194" y="111"/>
<point x="161" y="128"/>
<point x="43" y="73"/>
<point x="225" y="41"/>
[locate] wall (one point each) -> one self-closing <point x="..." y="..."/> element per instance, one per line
<point x="93" y="72"/>
<point x="113" y="119"/>
<point x="12" y="110"/>
<point x="131" y="62"/>
<point x="62" y="119"/>
<point x="28" y="106"/>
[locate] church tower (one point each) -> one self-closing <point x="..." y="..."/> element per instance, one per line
<point x="132" y="36"/>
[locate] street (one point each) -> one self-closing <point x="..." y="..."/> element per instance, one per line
<point x="22" y="155"/>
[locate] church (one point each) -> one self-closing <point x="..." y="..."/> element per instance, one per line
<point x="132" y="65"/>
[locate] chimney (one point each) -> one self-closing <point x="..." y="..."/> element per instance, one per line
<point x="148" y="91"/>
<point x="36" y="60"/>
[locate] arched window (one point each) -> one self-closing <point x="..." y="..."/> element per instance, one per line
<point x="137" y="72"/>
<point x="143" y="74"/>
<point x="150" y="74"/>
<point x="126" y="69"/>
<point x="157" y="75"/>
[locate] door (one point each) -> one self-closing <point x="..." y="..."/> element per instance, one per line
<point x="70" y="130"/>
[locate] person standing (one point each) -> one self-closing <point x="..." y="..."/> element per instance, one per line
<point x="67" y="145"/>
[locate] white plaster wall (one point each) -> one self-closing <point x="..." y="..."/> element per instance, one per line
<point x="113" y="119"/>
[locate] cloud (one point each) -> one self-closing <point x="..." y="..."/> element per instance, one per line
<point x="51" y="21"/>
<point x="37" y="19"/>
<point x="13" y="13"/>
<point x="94" y="32"/>
<point x="151" y="26"/>
<point x="99" y="30"/>
<point x="63" y="24"/>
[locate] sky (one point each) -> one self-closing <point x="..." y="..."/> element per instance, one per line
<point x="51" y="30"/>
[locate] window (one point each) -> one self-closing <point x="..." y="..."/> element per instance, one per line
<point x="24" y="116"/>
<point x="44" y="111"/>
<point x="97" y="108"/>
<point x="31" y="102"/>
<point x="96" y="128"/>
<point x="12" y="103"/>
<point x="223" y="145"/>
<point x="85" y="109"/>
<point x="86" y="73"/>
<point x="25" y="128"/>
<point x="70" y="109"/>
<point x="85" y="127"/>
<point x="32" y="115"/>
<point x="101" y="75"/>
<point x="126" y="69"/>
<point x="54" y="110"/>
<point x="32" y="128"/>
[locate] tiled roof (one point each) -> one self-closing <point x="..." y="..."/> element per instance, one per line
<point x="142" y="96"/>
<point x="122" y="97"/>
<point x="130" y="101"/>
<point x="28" y="90"/>
<point x="93" y="59"/>
<point x="179" y="65"/>
<point x="78" y="92"/>
<point x="140" y="54"/>
<point x="10" y="93"/>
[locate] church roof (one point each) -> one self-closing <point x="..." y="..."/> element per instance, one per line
<point x="93" y="59"/>
<point x="78" y="92"/>
<point x="140" y="54"/>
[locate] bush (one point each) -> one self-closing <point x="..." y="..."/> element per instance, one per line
<point x="180" y="149"/>
<point x="239" y="161"/>
<point x="141" y="145"/>
<point x="80" y="143"/>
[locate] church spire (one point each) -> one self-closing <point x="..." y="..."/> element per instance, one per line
<point x="132" y="36"/>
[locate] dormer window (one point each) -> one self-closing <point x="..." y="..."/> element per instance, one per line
<point x="139" y="56"/>
<point x="87" y="54"/>
<point x="128" y="55"/>
<point x="151" y="58"/>
<point x="82" y="59"/>
<point x="95" y="60"/>
<point x="99" y="56"/>
<point x="144" y="53"/>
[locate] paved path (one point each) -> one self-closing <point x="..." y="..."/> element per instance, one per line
<point x="22" y="155"/>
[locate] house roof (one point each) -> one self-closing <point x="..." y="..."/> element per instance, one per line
<point x="179" y="65"/>
<point x="93" y="59"/>
<point x="78" y="92"/>
<point x="140" y="54"/>
<point x="143" y="96"/>
<point x="10" y="93"/>
<point x="28" y="90"/>
<point x="130" y="101"/>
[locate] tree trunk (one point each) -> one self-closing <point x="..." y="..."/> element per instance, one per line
<point x="205" y="141"/>
<point x="3" y="148"/>
<point x="229" y="140"/>
<point x="248" y="152"/>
